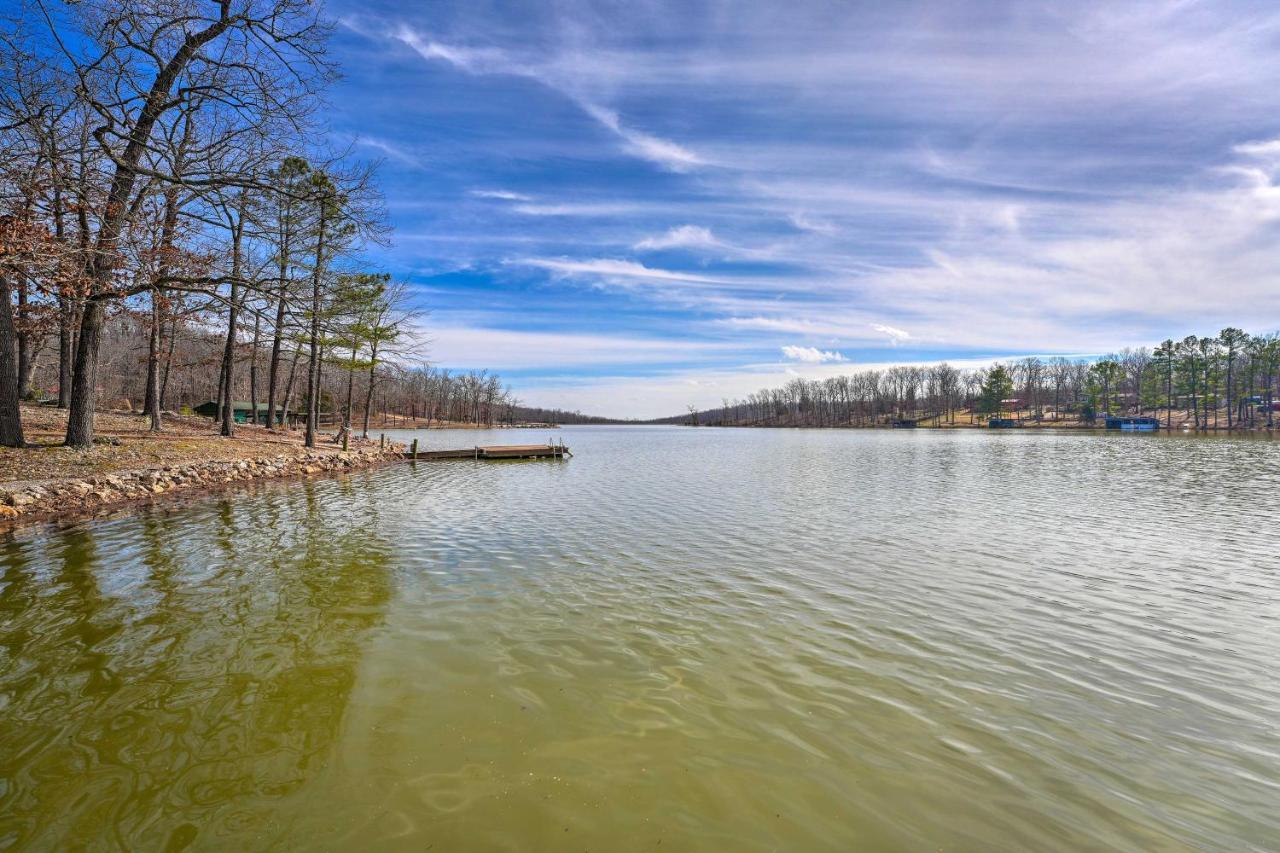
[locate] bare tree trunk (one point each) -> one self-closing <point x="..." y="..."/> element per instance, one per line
<point x="253" y="369"/>
<point x="152" y="402"/>
<point x="168" y="226"/>
<point x="351" y="386"/>
<point x="288" y="390"/>
<point x="228" y="354"/>
<point x="84" y="379"/>
<point x="26" y="360"/>
<point x="66" y="303"/>
<point x="222" y="383"/>
<point x="233" y="310"/>
<point x="10" y="412"/>
<point x="66" y="352"/>
<point x="368" y="391"/>
<point x="274" y="368"/>
<point x="101" y="262"/>
<point x="27" y="372"/>
<point x="320" y="385"/>
<point x="313" y="366"/>
<point x="168" y="362"/>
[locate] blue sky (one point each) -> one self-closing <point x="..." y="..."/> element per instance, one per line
<point x="629" y="208"/>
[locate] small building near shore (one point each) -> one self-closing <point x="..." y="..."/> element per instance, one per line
<point x="1003" y="423"/>
<point x="240" y="411"/>
<point x="1132" y="424"/>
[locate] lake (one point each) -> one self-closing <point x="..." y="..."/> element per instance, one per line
<point x="679" y="639"/>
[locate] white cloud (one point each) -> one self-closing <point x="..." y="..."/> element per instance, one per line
<point x="1262" y="148"/>
<point x="593" y="209"/>
<point x="468" y="59"/>
<point x="502" y="195"/>
<point x="1009" y="217"/>
<point x="611" y="268"/>
<point x="683" y="236"/>
<point x="463" y="346"/>
<point x="769" y="324"/>
<point x="807" y="223"/>
<point x="662" y="152"/>
<point x="896" y="335"/>
<point x="390" y="149"/>
<point x="1032" y="211"/>
<point x="811" y="355"/>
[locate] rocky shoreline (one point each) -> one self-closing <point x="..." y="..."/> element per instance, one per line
<point x="22" y="503"/>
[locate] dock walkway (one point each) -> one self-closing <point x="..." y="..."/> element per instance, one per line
<point x="498" y="451"/>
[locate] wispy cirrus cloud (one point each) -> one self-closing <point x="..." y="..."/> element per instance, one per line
<point x="484" y="347"/>
<point x="811" y="355"/>
<point x="939" y="180"/>
<point x="1259" y="148"/>
<point x="589" y="209"/>
<point x="390" y="149"/>
<point x="615" y="268"/>
<point x="680" y="237"/>
<point x="483" y="60"/>
<point x="805" y="222"/>
<point x="502" y="195"/>
<point x="894" y="334"/>
<point x="662" y="152"/>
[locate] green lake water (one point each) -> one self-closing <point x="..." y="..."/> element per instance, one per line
<point x="701" y="640"/>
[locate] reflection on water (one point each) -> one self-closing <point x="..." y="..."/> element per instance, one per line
<point x="168" y="680"/>
<point x="699" y="639"/>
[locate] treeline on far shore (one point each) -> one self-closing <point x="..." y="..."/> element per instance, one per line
<point x="1225" y="381"/>
<point x="536" y="414"/>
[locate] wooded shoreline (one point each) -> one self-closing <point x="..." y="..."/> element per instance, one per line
<point x="133" y="466"/>
<point x="1230" y="380"/>
<point x="1182" y="426"/>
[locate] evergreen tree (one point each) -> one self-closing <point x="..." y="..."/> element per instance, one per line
<point x="1165" y="359"/>
<point x="996" y="388"/>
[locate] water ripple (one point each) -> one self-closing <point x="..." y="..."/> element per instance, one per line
<point x="708" y="639"/>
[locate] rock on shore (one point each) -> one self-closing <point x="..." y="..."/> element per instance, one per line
<point x="31" y="500"/>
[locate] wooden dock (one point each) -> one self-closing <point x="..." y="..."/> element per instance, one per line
<point x="499" y="451"/>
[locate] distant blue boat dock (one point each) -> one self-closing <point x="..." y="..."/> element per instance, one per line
<point x="1133" y="424"/>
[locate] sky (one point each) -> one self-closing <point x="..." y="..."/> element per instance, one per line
<point x="629" y="208"/>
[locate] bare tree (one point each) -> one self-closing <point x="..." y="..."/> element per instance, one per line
<point x="257" y="63"/>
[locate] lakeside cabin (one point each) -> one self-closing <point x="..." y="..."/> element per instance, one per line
<point x="1127" y="423"/>
<point x="240" y="411"/>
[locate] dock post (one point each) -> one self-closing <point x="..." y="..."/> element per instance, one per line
<point x="414" y="451"/>
<point x="382" y="441"/>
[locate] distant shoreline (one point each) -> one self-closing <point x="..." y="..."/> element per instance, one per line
<point x="1057" y="428"/>
<point x="1177" y="421"/>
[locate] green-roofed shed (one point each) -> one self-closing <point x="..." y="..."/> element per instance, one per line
<point x="240" y="410"/>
